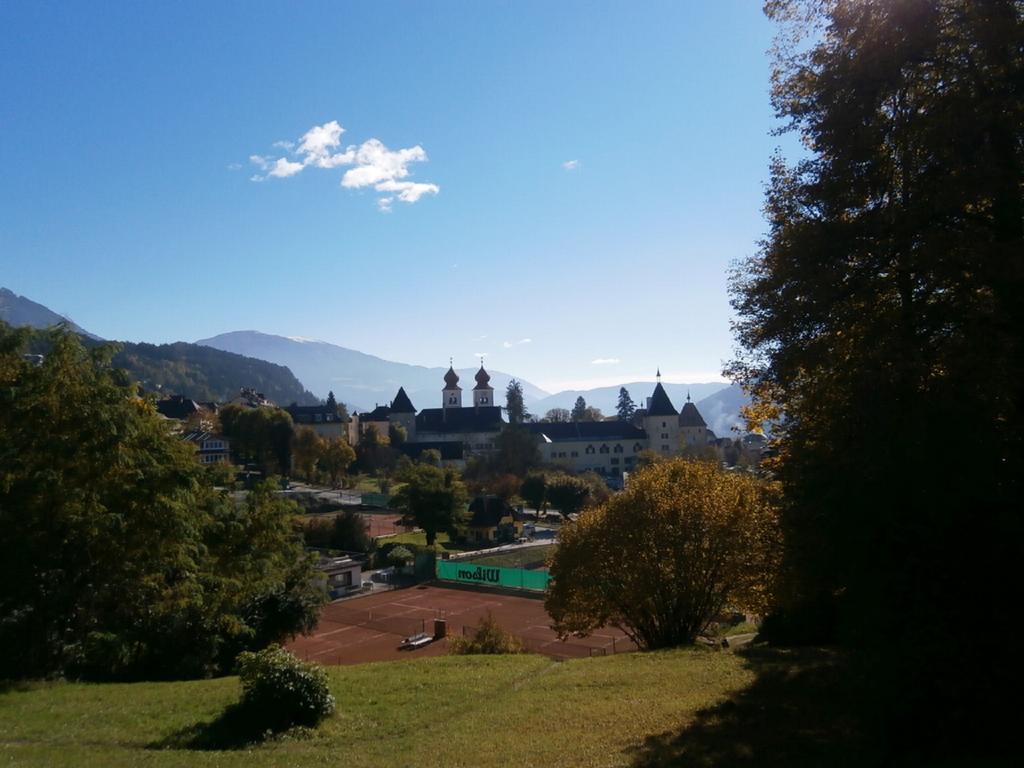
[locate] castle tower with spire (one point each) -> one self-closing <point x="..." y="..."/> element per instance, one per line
<point x="403" y="413"/>
<point x="452" y="393"/>
<point x="693" y="429"/>
<point x="483" y="392"/>
<point x="661" y="422"/>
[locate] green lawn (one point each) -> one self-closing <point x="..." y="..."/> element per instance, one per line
<point x="527" y="557"/>
<point x="448" y="711"/>
<point x="419" y="538"/>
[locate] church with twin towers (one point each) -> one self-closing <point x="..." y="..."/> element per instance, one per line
<point x="468" y="425"/>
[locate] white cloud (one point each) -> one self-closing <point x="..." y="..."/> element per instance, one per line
<point x="606" y="361"/>
<point x="234" y="166"/>
<point x="571" y="165"/>
<point x="408" y="191"/>
<point x="375" y="165"/>
<point x="510" y="344"/>
<point x="283" y="168"/>
<point x="481" y="354"/>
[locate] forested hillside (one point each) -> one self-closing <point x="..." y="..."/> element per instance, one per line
<point x="204" y="373"/>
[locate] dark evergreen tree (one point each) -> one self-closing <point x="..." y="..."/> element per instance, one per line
<point x="883" y="317"/>
<point x="579" y="410"/>
<point x="514" y="403"/>
<point x="626" y="407"/>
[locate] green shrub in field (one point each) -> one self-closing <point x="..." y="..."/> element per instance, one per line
<point x="279" y="691"/>
<point x="488" y="637"/>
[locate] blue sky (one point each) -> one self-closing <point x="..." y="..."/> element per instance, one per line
<point x="127" y="199"/>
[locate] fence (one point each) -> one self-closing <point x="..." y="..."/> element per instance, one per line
<point x="394" y="625"/>
<point x="494" y="576"/>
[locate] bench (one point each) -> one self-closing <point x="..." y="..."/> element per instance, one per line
<point x="415" y="641"/>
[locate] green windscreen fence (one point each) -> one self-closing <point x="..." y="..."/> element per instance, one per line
<point x="486" y="575"/>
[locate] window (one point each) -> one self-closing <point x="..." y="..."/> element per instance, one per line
<point x="615" y="461"/>
<point x="604" y="449"/>
<point x="664" y="435"/>
<point x="590" y="450"/>
<point x="663" y="425"/>
<point x="617" y="449"/>
<point x="629" y="460"/>
<point x="664" y="449"/>
<point x="637" y="447"/>
<point x="574" y="454"/>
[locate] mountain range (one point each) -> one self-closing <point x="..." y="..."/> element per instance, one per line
<point x="299" y="370"/>
<point x="19" y="311"/>
<point x="356" y="378"/>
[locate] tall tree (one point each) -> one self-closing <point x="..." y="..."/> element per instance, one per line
<point x="117" y="556"/>
<point x="336" y="456"/>
<point x="517" y="451"/>
<point x="514" y="403"/>
<point x="579" y="410"/>
<point x="626" y="407"/>
<point x="307" y="448"/>
<point x="882" y="317"/>
<point x="433" y="499"/>
<point x="332" y="404"/>
<point x="557" y="415"/>
<point x="698" y="540"/>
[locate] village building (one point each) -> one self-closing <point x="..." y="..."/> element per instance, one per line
<point x="322" y="419"/>
<point x="212" y="448"/>
<point x="610" y="448"/>
<point x="493" y="520"/>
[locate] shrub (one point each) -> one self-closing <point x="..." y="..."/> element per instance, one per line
<point x="488" y="637"/>
<point x="279" y="691"/>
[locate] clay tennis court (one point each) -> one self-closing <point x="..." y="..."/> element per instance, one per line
<point x="370" y="628"/>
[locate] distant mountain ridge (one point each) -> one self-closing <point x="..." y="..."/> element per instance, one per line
<point x="208" y="374"/>
<point x="19" y="311"/>
<point x="607" y="398"/>
<point x="199" y="373"/>
<point x="356" y="378"/>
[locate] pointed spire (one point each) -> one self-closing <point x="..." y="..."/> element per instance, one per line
<point x="687" y="395"/>
<point x="659" y="373"/>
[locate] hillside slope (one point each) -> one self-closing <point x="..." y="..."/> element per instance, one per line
<point x="448" y="711"/>
<point x="19" y="311"/>
<point x="204" y="373"/>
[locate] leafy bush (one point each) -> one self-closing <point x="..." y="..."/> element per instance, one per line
<point x="488" y="637"/>
<point x="279" y="691"/>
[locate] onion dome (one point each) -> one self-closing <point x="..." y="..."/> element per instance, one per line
<point x="482" y="377"/>
<point x="451" y="379"/>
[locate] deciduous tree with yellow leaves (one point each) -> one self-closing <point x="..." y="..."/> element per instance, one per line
<point x="660" y="560"/>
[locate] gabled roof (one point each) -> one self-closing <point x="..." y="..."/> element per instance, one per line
<point x="487" y="511"/>
<point x="569" y="431"/>
<point x="402" y="403"/>
<point x="380" y="413"/>
<point x="176" y="407"/>
<point x="690" y="416"/>
<point x="660" y="404"/>
<point x="486" y="418"/>
<point x="306" y="414"/>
